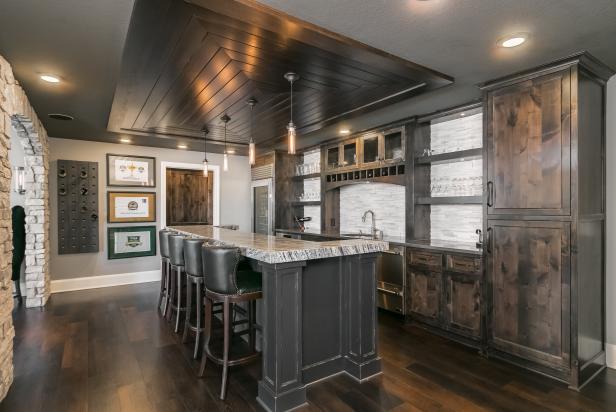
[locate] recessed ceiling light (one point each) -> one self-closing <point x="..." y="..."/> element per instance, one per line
<point x="125" y="140"/>
<point x="50" y="78"/>
<point x="345" y="131"/>
<point x="231" y="151"/>
<point x="60" y="116"/>
<point x="462" y="114"/>
<point x="513" y="40"/>
<point x="182" y="146"/>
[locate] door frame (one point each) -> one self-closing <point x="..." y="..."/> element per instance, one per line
<point x="269" y="182"/>
<point x="214" y="169"/>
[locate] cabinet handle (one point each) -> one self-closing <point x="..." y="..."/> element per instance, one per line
<point x="489" y="240"/>
<point x="490" y="194"/>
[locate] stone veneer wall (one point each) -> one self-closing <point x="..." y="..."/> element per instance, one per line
<point x="16" y="112"/>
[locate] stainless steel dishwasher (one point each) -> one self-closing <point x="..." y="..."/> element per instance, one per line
<point x="391" y="280"/>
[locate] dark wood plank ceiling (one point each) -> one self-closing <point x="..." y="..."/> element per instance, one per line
<point x="185" y="64"/>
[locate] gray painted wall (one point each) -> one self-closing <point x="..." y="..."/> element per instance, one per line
<point x="611" y="221"/>
<point x="234" y="202"/>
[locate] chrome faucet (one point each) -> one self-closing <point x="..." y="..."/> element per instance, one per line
<point x="376" y="234"/>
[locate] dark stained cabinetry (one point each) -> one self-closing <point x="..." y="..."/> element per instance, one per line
<point x="545" y="218"/>
<point x="445" y="293"/>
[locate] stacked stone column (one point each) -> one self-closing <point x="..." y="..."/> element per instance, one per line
<point x="16" y="112"/>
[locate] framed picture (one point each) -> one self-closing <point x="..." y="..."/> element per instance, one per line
<point x="132" y="241"/>
<point x="125" y="170"/>
<point x="129" y="207"/>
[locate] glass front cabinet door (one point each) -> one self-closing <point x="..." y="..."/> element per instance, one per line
<point x="393" y="145"/>
<point x="333" y="157"/>
<point x="387" y="146"/>
<point x="370" y="152"/>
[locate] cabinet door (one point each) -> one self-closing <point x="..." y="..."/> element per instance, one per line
<point x="462" y="310"/>
<point x="425" y="295"/>
<point x="393" y="145"/>
<point x="528" y="147"/>
<point x="528" y="267"/>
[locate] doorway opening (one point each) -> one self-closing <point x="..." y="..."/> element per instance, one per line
<point x="188" y="197"/>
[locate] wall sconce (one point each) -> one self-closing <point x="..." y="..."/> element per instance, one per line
<point x="19" y="174"/>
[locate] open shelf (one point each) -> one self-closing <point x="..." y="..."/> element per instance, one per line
<point x="470" y="154"/>
<point x="307" y="203"/>
<point x="450" y="200"/>
<point x="308" y="176"/>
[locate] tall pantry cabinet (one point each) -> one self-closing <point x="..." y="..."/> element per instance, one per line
<point x="544" y="217"/>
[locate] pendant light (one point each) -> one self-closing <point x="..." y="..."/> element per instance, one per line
<point x="205" y="131"/>
<point x="225" y="156"/>
<point x="291" y="129"/>
<point x="251" y="145"/>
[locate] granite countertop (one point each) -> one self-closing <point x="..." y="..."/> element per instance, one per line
<point x="440" y="245"/>
<point x="272" y="249"/>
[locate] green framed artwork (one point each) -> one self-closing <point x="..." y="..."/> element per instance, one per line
<point x="131" y="241"/>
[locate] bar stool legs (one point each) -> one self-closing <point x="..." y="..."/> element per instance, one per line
<point x="163" y="296"/>
<point x="167" y="286"/>
<point x="228" y="301"/>
<point x="179" y="308"/>
<point x="188" y="323"/>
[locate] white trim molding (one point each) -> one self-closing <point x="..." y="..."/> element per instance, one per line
<point x="189" y="166"/>
<point x="610" y="355"/>
<point x="103" y="281"/>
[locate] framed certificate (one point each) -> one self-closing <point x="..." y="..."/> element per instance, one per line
<point x="125" y="170"/>
<point x="127" y="207"/>
<point x="132" y="241"/>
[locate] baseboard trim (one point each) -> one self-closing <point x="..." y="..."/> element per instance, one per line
<point x="103" y="281"/>
<point x="610" y="355"/>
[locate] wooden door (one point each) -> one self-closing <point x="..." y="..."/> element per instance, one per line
<point x="462" y="309"/>
<point x="189" y="197"/>
<point x="424" y="299"/>
<point x="529" y="286"/>
<point x="528" y="147"/>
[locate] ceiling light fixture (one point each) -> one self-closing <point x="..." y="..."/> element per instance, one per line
<point x="252" y="156"/>
<point x="182" y="146"/>
<point x="291" y="129"/>
<point x="50" y="78"/>
<point x="513" y="40"/>
<point x="345" y="131"/>
<point x="225" y="156"/>
<point x="205" y="131"/>
<point x="125" y="140"/>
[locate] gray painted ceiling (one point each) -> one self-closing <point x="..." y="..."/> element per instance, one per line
<point x="82" y="41"/>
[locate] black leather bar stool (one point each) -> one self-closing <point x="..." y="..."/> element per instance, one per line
<point x="176" y="258"/>
<point x="194" y="277"/>
<point x="165" y="271"/>
<point x="225" y="283"/>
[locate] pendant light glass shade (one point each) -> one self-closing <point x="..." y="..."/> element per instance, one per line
<point x="291" y="135"/>
<point x="225" y="156"/>
<point x="291" y="129"/>
<point x="205" y="162"/>
<point x="252" y="152"/>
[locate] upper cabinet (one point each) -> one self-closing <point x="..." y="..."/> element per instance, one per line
<point x="343" y="154"/>
<point x="528" y="147"/>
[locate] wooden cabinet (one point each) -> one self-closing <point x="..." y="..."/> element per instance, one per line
<point x="545" y="218"/>
<point x="425" y="295"/>
<point x="383" y="147"/>
<point x="528" y="147"/>
<point x="529" y="287"/>
<point x="462" y="308"/>
<point x="445" y="292"/>
<point x="343" y="154"/>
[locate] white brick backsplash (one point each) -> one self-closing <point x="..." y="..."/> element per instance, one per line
<point x="386" y="200"/>
<point x="458" y="134"/>
<point x="455" y="222"/>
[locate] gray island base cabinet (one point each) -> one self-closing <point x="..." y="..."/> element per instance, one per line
<point x="319" y="315"/>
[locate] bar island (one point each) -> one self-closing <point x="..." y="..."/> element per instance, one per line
<point x="319" y="309"/>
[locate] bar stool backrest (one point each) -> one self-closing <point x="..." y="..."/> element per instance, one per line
<point x="192" y="256"/>
<point x="163" y="239"/>
<point x="176" y="250"/>
<point x="220" y="268"/>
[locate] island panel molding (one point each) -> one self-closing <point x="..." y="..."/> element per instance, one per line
<point x="131" y="207"/>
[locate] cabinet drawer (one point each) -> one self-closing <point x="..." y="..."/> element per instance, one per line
<point x="434" y="261"/>
<point x="463" y="264"/>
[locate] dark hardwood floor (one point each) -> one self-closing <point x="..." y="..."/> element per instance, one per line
<point x="108" y="350"/>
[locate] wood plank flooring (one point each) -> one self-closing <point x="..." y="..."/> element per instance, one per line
<point x="108" y="350"/>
